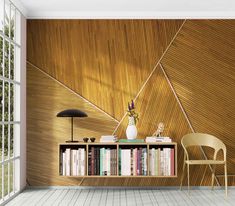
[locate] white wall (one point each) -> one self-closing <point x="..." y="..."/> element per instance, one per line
<point x="23" y="105"/>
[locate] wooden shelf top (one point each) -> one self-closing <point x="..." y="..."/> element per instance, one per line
<point x="119" y="176"/>
<point x="119" y="143"/>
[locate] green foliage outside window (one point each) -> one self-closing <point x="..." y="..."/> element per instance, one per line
<point x="8" y="60"/>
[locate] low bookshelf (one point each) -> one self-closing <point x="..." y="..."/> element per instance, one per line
<point x="118" y="160"/>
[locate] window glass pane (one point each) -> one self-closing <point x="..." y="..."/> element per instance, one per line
<point x="6" y="59"/>
<point x="11" y="140"/>
<point x="7" y="18"/>
<point x="12" y="23"/>
<point x="1" y="14"/>
<point x="1" y="56"/>
<point x="17" y="64"/>
<point x="17" y="26"/>
<point x="16" y="102"/>
<point x="5" y="179"/>
<point x="6" y="92"/>
<point x="12" y="61"/>
<point x="11" y="176"/>
<point x="11" y="102"/>
<point x="1" y="181"/>
<point x="1" y="131"/>
<point x="16" y="139"/>
<point x="6" y="141"/>
<point x="1" y="99"/>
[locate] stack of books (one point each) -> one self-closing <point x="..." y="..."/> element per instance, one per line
<point x="158" y="139"/>
<point x="161" y="162"/>
<point x="102" y="161"/>
<point x="108" y="138"/>
<point x="73" y="162"/>
<point x="133" y="161"/>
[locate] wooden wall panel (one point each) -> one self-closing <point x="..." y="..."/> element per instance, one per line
<point x="155" y="104"/>
<point x="45" y="98"/>
<point x="106" y="61"/>
<point x="200" y="65"/>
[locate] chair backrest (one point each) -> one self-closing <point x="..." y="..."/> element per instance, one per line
<point x="201" y="139"/>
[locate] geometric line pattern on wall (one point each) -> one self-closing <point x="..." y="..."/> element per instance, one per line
<point x="157" y="103"/>
<point x="156" y="65"/>
<point x="105" y="113"/>
<point x="105" y="61"/>
<point x="187" y="119"/>
<point x="45" y="98"/>
<point x="200" y="66"/>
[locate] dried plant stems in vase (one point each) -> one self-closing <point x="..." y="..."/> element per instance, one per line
<point x="131" y="131"/>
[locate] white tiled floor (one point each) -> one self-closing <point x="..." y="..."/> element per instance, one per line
<point x="123" y="197"/>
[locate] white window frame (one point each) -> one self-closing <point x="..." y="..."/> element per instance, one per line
<point x="15" y="158"/>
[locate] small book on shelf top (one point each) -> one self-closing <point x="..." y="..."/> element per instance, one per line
<point x="131" y="140"/>
<point x="158" y="139"/>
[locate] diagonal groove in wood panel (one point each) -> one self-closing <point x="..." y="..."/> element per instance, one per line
<point x="45" y="98"/>
<point x="105" y="61"/>
<point x="156" y="65"/>
<point x="71" y="90"/>
<point x="186" y="117"/>
<point x="200" y="65"/>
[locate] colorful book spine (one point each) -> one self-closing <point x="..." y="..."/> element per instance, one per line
<point x="63" y="164"/>
<point x="82" y="162"/>
<point x="172" y="162"/>
<point x="101" y="161"/>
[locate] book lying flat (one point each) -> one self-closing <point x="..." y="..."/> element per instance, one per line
<point x="131" y="140"/>
<point x="158" y="139"/>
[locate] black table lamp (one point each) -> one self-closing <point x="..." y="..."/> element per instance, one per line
<point x="72" y="113"/>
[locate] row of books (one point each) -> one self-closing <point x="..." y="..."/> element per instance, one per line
<point x="102" y="161"/>
<point x="162" y="162"/>
<point x="133" y="161"/>
<point x="73" y="162"/>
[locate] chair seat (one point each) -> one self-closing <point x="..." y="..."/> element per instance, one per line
<point x="204" y="162"/>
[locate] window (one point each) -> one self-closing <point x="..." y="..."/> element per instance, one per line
<point x="10" y="99"/>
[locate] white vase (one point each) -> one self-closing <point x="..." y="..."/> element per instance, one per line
<point x="131" y="130"/>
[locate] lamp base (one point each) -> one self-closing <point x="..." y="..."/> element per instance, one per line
<point x="71" y="141"/>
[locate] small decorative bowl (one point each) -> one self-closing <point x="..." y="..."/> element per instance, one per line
<point x="92" y="139"/>
<point x="85" y="139"/>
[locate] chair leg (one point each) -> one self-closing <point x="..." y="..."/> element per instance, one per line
<point x="213" y="177"/>
<point x="226" y="179"/>
<point x="182" y="176"/>
<point x="188" y="178"/>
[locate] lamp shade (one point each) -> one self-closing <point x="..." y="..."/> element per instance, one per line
<point x="71" y="113"/>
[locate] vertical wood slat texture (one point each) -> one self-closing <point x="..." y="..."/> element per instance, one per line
<point x="157" y="103"/>
<point x="200" y="65"/>
<point x="106" y="61"/>
<point x="45" y="98"/>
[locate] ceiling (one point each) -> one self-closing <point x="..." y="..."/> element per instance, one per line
<point x="128" y="8"/>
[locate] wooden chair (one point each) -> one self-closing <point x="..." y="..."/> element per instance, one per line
<point x="200" y="139"/>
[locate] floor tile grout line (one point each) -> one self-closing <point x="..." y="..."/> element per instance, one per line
<point x="182" y="196"/>
<point x="86" y="197"/>
<point x="64" y="195"/>
<point x="72" y="197"/>
<point x="71" y="90"/>
<point x="43" y="197"/>
<point x="77" y="197"/>
<point x="154" y="197"/>
<point x="154" y="68"/>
